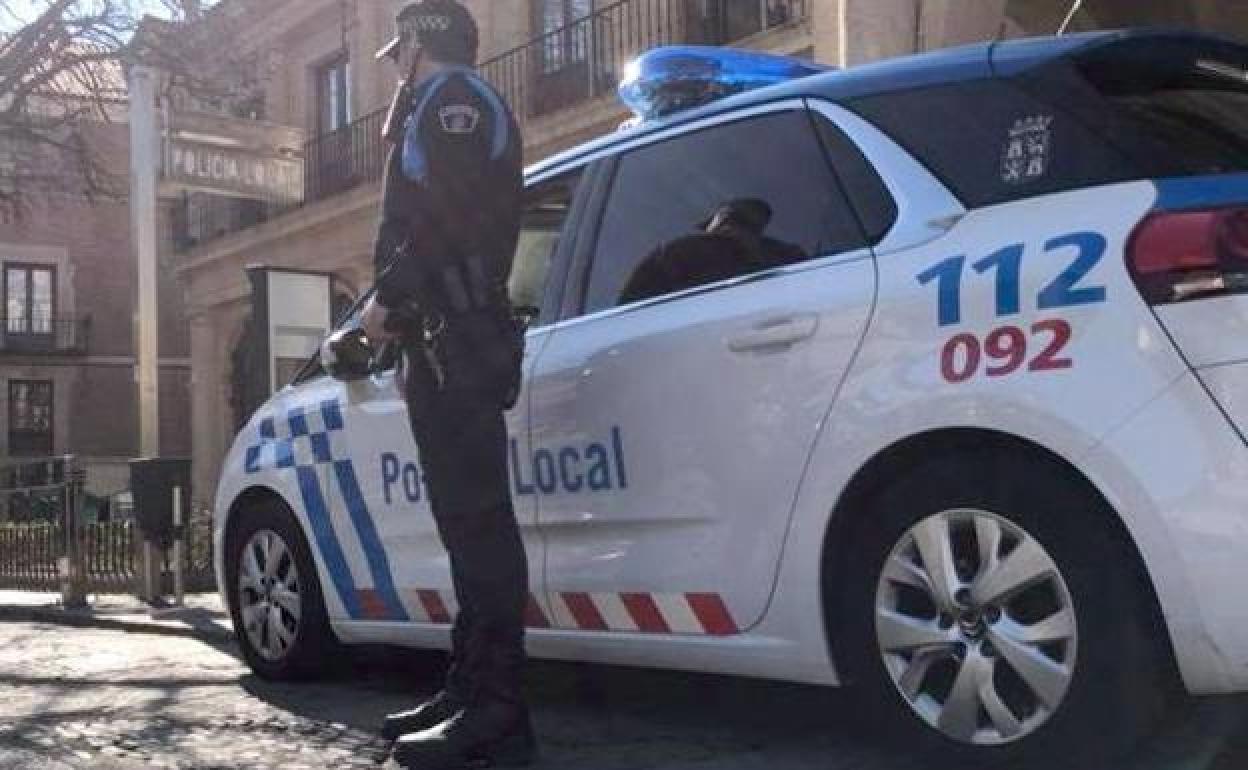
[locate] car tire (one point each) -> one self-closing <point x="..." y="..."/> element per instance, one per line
<point x="1105" y="643"/>
<point x="304" y="645"/>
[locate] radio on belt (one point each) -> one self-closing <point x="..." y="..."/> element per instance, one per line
<point x="667" y="80"/>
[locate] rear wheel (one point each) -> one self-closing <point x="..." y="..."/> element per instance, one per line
<point x="275" y="597"/>
<point x="994" y="613"/>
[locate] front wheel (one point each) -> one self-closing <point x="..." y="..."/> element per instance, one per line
<point x="995" y="614"/>
<point x="276" y="602"/>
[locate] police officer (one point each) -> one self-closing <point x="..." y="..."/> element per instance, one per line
<point x="450" y="222"/>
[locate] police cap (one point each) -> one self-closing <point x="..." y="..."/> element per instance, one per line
<point x="444" y="28"/>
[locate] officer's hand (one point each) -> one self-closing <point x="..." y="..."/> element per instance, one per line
<point x="373" y="322"/>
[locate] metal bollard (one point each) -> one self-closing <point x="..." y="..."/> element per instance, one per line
<point x="179" y="550"/>
<point x="72" y="573"/>
<point x="151" y="566"/>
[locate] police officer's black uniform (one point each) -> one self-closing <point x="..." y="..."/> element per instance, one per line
<point x="451" y="219"/>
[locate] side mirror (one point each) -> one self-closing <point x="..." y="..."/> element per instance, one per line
<point x="346" y="355"/>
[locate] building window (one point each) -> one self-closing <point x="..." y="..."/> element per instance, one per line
<point x="333" y="95"/>
<point x="30" y="418"/>
<point x="29" y="299"/>
<point x="562" y="44"/>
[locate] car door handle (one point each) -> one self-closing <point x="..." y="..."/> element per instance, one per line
<point x="775" y="335"/>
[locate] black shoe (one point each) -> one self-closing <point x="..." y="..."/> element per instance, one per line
<point x="431" y="713"/>
<point x="493" y="734"/>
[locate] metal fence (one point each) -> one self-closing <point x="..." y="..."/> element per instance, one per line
<point x="585" y="59"/>
<point x="43" y="532"/>
<point x="198" y="554"/>
<point x="108" y="551"/>
<point x="344" y="159"/>
<point x="36" y="500"/>
<point x="28" y="556"/>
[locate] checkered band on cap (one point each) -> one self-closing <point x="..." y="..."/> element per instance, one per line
<point x="444" y="27"/>
<point x="414" y="25"/>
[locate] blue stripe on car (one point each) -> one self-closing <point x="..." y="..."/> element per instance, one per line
<point x="252" y="462"/>
<point x="298" y="422"/>
<point x="332" y="412"/>
<point x="327" y="540"/>
<point x="378" y="563"/>
<point x="1200" y="192"/>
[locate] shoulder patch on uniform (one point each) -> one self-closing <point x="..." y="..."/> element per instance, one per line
<point x="459" y="118"/>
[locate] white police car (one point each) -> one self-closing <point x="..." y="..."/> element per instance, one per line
<point x="928" y="376"/>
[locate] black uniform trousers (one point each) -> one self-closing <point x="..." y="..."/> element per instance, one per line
<point x="461" y="434"/>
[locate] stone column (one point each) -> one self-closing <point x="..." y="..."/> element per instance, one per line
<point x="879" y="29"/>
<point x="849" y="32"/>
<point x="144" y="168"/>
<point x="827" y="25"/>
<point x="207" y="407"/>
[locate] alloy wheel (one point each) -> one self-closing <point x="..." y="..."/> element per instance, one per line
<point x="976" y="627"/>
<point x="270" y="602"/>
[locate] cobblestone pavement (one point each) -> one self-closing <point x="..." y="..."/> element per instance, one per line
<point x="83" y="698"/>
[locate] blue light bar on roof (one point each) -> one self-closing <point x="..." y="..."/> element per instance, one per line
<point x="666" y="80"/>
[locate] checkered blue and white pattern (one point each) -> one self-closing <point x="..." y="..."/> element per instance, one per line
<point x="304" y="438"/>
<point x="311" y="442"/>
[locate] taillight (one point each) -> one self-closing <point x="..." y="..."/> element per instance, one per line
<point x="1178" y="256"/>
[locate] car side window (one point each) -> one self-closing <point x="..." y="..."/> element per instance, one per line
<point x="866" y="191"/>
<point x="546" y="208"/>
<point x="716" y="204"/>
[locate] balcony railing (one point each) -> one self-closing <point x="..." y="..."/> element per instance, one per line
<point x="584" y="60"/>
<point x="44" y="337"/>
<point x="563" y="68"/>
<point x="346" y="158"/>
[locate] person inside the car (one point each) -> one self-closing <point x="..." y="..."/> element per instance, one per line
<point x="745" y="220"/>
<point x="729" y="243"/>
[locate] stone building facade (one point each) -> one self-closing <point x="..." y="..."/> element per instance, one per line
<point x="557" y="62"/>
<point x="67" y="356"/>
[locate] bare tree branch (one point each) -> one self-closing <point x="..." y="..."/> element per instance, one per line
<point x="63" y="72"/>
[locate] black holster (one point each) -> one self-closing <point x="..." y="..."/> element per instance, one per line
<point x="479" y="353"/>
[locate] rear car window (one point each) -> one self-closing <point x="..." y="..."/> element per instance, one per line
<point x="1140" y="107"/>
<point x="876" y="209"/>
<point x="1174" y="106"/>
<point x="716" y="204"/>
<point x="990" y="142"/>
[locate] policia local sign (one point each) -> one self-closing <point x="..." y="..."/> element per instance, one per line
<point x="229" y="171"/>
<point x="232" y="157"/>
